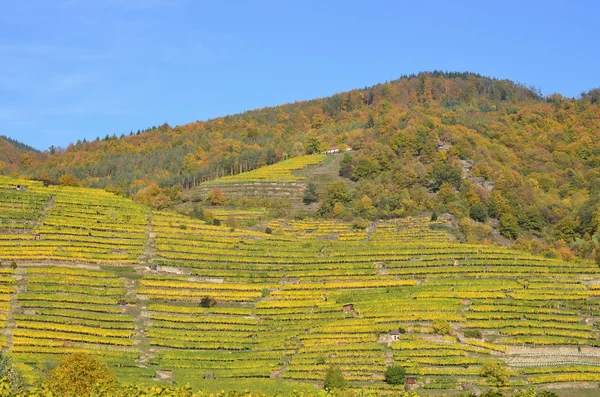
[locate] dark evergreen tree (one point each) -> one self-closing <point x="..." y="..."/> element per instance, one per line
<point x="478" y="213"/>
<point x="310" y="194"/>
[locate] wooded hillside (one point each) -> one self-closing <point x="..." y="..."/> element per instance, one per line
<point x="461" y="143"/>
<point x="13" y="154"/>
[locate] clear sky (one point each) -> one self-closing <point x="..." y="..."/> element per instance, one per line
<point x="74" y="69"/>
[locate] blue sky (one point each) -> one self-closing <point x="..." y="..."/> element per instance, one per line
<point x="72" y="69"/>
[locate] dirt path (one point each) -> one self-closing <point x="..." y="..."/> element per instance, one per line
<point x="15" y="307"/>
<point x="149" y="251"/>
<point x="389" y="359"/>
<point x="139" y="311"/>
<point x="49" y="204"/>
<point x="372" y="228"/>
<point x="47" y="207"/>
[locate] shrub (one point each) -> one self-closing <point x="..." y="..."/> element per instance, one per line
<point x="446" y="193"/>
<point x="473" y="333"/>
<point x="155" y="196"/>
<point x="334" y="379"/>
<point x="68" y="180"/>
<point x="474" y="231"/>
<point x="395" y="375"/>
<point x="217" y="197"/>
<point x="208" y="216"/>
<point x="197" y="211"/>
<point x="207" y="301"/>
<point x="360" y="224"/>
<point x="441" y="327"/>
<point x="524" y="393"/>
<point x="494" y="373"/>
<point x="232" y="222"/>
<point x="161" y="201"/>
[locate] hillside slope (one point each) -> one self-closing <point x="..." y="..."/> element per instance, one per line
<point x="206" y="150"/>
<point x="472" y="146"/>
<point x="12" y="154"/>
<point x="159" y="295"/>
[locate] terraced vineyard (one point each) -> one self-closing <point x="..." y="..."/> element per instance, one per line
<point x="63" y="310"/>
<point x="241" y="216"/>
<point x="160" y="295"/>
<point x="279" y="180"/>
<point x="397" y="230"/>
<point x="70" y="224"/>
<point x="278" y="172"/>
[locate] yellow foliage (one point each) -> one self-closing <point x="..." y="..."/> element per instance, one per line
<point x="474" y="231"/>
<point x="446" y="193"/>
<point x="69" y="180"/>
<point x="338" y="208"/>
<point x="473" y="197"/>
<point x="565" y="253"/>
<point x="365" y="206"/>
<point x="77" y="375"/>
<point x="217" y="197"/>
<point x="153" y="196"/>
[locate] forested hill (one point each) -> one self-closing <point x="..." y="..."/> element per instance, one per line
<point x="13" y="153"/>
<point x="430" y="107"/>
<point x="437" y="101"/>
<point x="473" y="146"/>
